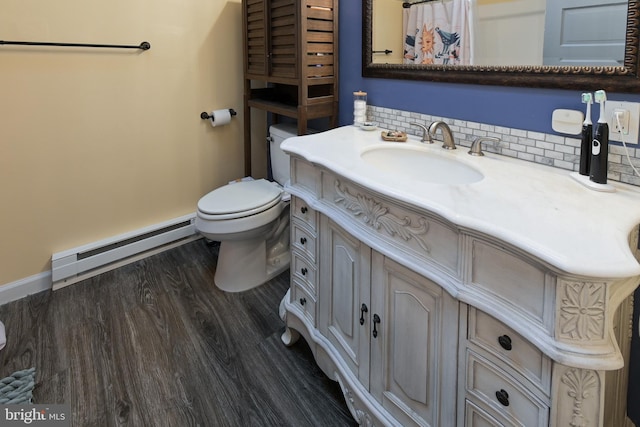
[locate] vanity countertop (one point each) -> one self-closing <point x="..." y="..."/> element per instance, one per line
<point x="537" y="208"/>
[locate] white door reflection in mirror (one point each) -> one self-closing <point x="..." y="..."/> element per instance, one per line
<point x="585" y="32"/>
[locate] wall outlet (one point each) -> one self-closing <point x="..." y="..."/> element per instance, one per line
<point x="630" y="120"/>
<point x="620" y="120"/>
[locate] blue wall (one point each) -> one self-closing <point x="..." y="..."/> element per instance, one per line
<point x="521" y="108"/>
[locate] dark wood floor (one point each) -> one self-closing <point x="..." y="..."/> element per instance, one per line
<point x="155" y="343"/>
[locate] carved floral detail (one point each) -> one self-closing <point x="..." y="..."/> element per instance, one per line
<point x="362" y="417"/>
<point x="582" y="385"/>
<point x="377" y="216"/>
<point x="582" y="311"/>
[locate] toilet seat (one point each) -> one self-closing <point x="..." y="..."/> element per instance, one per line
<point x="240" y="199"/>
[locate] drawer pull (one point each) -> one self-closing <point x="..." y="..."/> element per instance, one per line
<point x="503" y="397"/>
<point x="303" y="209"/>
<point x="303" y="240"/>
<point x="303" y="270"/>
<point x="363" y="310"/>
<point x="303" y="301"/>
<point x="505" y="342"/>
<point x="376" y="319"/>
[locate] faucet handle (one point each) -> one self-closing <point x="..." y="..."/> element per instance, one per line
<point x="426" y="136"/>
<point x="476" y="146"/>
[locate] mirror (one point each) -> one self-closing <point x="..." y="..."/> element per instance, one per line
<point x="505" y="70"/>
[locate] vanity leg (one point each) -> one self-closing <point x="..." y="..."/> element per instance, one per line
<point x="290" y="336"/>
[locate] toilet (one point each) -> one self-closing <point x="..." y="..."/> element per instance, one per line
<point x="250" y="219"/>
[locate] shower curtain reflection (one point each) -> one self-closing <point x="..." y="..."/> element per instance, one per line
<point x="438" y="33"/>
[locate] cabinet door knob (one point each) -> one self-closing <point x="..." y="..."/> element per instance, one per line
<point x="503" y="397"/>
<point x="303" y="270"/>
<point x="363" y="310"/>
<point x="303" y="240"/>
<point x="505" y="342"/>
<point x="376" y="320"/>
<point x="303" y="301"/>
<point x="303" y="209"/>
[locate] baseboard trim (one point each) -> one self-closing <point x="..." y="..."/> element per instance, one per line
<point x="24" y="287"/>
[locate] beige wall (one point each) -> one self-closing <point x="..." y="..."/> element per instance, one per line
<point x="95" y="143"/>
<point x="387" y="31"/>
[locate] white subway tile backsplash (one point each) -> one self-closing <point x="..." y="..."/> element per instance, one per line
<point x="548" y="149"/>
<point x="554" y="138"/>
<point x="554" y="155"/>
<point x="535" y="135"/>
<point x="563" y="149"/>
<point x="545" y="145"/>
<point x="573" y="142"/>
<point x="535" y="150"/>
<point x="527" y="157"/>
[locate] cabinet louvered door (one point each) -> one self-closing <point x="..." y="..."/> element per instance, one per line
<point x="318" y="60"/>
<point x="256" y="47"/>
<point x="284" y="39"/>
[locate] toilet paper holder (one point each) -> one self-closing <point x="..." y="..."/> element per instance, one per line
<point x="204" y="115"/>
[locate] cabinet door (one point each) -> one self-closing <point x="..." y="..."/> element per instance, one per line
<point x="343" y="289"/>
<point x="255" y="33"/>
<point x="283" y="57"/>
<point x="414" y="356"/>
<point x="271" y="38"/>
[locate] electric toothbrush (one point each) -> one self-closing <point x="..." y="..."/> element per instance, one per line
<point x="600" y="145"/>
<point x="587" y="136"/>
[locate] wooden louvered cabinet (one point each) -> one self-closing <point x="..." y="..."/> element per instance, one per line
<point x="291" y="47"/>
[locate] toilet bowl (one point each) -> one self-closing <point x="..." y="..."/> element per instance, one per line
<point x="250" y="219"/>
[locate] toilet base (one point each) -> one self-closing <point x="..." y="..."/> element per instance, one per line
<point x="243" y="265"/>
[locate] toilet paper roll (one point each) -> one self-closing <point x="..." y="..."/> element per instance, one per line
<point x="220" y="117"/>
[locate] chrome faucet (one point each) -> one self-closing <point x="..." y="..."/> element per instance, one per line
<point x="447" y="135"/>
<point x="426" y="136"/>
<point x="476" y="146"/>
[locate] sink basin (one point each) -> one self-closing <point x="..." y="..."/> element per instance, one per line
<point x="420" y="165"/>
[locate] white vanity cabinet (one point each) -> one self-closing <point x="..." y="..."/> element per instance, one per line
<point x="424" y="322"/>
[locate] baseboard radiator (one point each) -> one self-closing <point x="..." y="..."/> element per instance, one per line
<point x="86" y="261"/>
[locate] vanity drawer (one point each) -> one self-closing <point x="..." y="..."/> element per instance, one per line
<point x="475" y="416"/>
<point x="510" y="348"/>
<point x="304" y="301"/>
<point x="499" y="391"/>
<point x="303" y="271"/>
<point x="513" y="280"/>
<point x="303" y="241"/>
<point x="303" y="212"/>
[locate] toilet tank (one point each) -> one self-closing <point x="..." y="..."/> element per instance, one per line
<point x="279" y="159"/>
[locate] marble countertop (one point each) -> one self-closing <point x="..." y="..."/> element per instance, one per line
<point x="536" y="208"/>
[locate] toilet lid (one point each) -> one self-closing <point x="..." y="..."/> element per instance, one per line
<point x="240" y="197"/>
